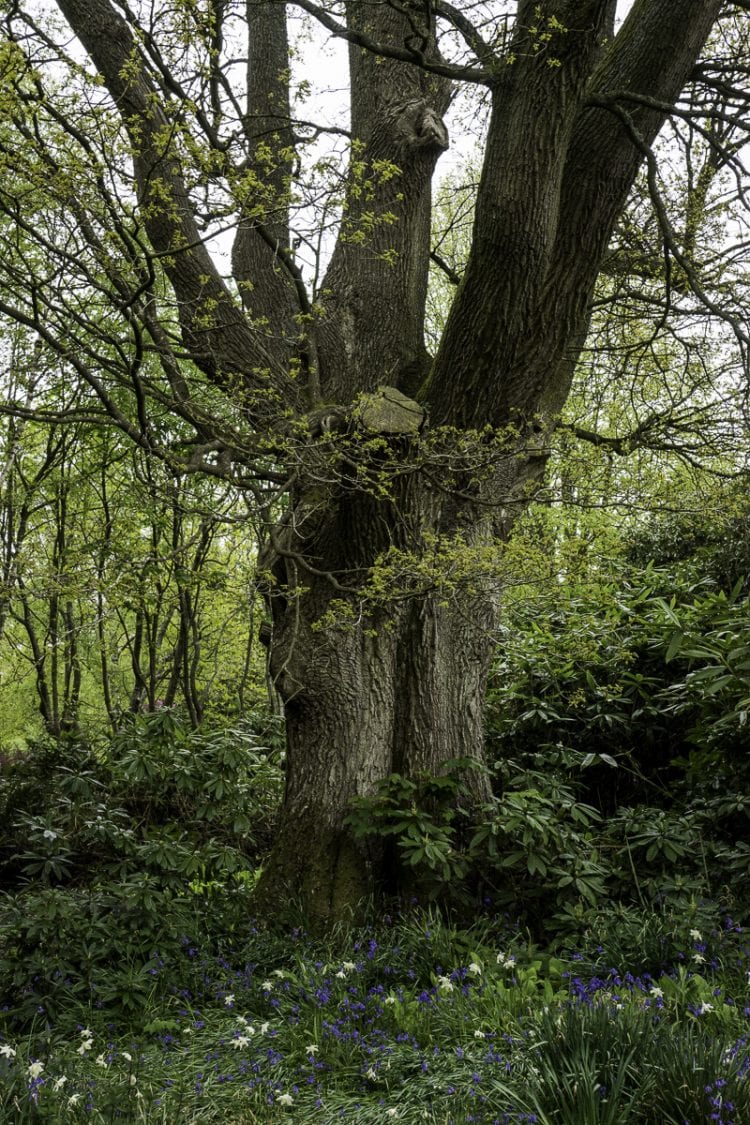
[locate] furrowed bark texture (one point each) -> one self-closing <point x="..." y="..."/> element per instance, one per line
<point x="270" y="141"/>
<point x="376" y="286"/>
<point x="384" y="684"/>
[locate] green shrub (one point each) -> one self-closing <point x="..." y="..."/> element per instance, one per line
<point x="115" y="856"/>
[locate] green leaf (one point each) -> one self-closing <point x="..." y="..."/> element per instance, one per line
<point x="675" y="644"/>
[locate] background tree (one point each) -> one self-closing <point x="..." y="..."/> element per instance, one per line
<point x="124" y="586"/>
<point x="389" y="478"/>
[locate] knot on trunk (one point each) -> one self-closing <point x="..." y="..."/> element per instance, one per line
<point x="416" y="124"/>
<point x="331" y="419"/>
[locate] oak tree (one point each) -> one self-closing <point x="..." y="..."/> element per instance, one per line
<point x="140" y="136"/>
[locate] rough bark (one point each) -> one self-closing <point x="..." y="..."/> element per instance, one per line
<point x="386" y="686"/>
<point x="375" y="288"/>
<point x="556" y="176"/>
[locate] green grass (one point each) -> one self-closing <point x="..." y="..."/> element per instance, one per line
<point x="411" y="1021"/>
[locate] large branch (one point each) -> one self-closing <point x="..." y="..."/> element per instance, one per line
<point x="376" y="285"/>
<point x="215" y="331"/>
<point x="479" y="374"/>
<point x="652" y="58"/>
<point x="548" y="202"/>
<point x="261" y="264"/>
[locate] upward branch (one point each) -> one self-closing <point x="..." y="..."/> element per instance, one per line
<point x="270" y="285"/>
<point x="557" y="175"/>
<point x="215" y="330"/>
<point x="376" y="285"/>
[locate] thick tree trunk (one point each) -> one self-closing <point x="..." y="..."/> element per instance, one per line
<point x="340" y="688"/>
<point x="371" y="685"/>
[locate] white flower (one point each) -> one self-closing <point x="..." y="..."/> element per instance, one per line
<point x="267" y="985"/>
<point x="349" y="966"/>
<point x="505" y="961"/>
<point x="7" y="1051"/>
<point x="241" y="1041"/>
<point x="59" y="1082"/>
<point x="475" y="969"/>
<point x="390" y="1000"/>
<point x="392" y="1112"/>
<point x="341" y="975"/>
<point x="264" y="1028"/>
<point x="705" y="1007"/>
<point x="278" y="973"/>
<point x="656" y="992"/>
<point x="85" y="1046"/>
<point x="371" y="1074"/>
<point x="312" y="1049"/>
<point x="35" y="1069"/>
<point x="48" y="834"/>
<point x="242" y="1021"/>
<point x="229" y="999"/>
<point x="696" y="935"/>
<point x="127" y="1056"/>
<point x="100" y="1060"/>
<point x="86" y="1034"/>
<point x="699" y="958"/>
<point x="74" y="1099"/>
<point x="285" y="1099"/>
<point x="478" y="1034"/>
<point x="133" y="1080"/>
<point x="445" y="983"/>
